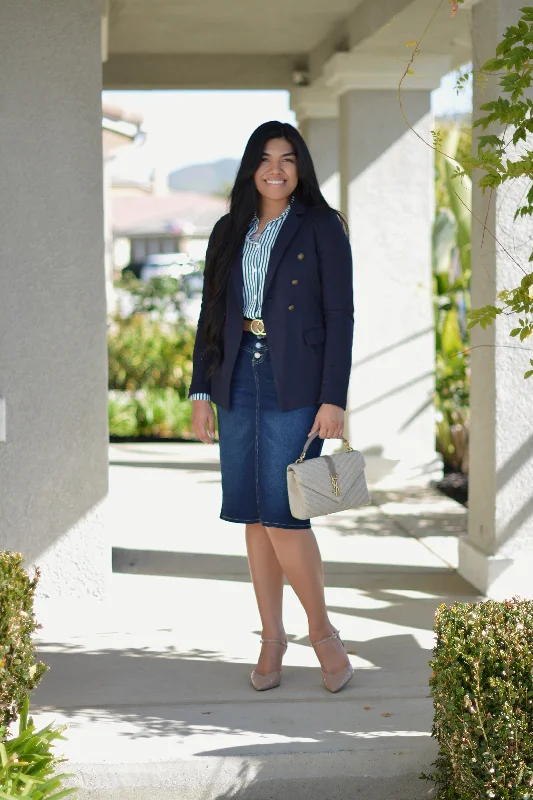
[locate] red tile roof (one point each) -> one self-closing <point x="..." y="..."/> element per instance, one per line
<point x="137" y="214"/>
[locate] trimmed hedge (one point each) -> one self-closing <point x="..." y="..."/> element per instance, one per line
<point x="19" y="672"/>
<point x="482" y="689"/>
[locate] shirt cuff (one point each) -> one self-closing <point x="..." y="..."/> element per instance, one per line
<point x="200" y="396"/>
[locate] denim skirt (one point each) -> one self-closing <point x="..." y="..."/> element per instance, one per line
<point x="258" y="442"/>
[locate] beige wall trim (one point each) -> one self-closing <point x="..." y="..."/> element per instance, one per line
<point x="131" y="71"/>
<point x="347" y="71"/>
<point x="313" y="103"/>
<point x="367" y="19"/>
<point x="496" y="577"/>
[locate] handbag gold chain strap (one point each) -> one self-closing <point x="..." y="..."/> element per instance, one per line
<point x="345" y="442"/>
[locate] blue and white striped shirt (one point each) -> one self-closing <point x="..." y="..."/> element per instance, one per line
<point x="255" y="258"/>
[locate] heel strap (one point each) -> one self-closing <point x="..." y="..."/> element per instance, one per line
<point x="334" y="635"/>
<point x="276" y="641"/>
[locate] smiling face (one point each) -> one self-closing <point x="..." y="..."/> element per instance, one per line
<point x="277" y="175"/>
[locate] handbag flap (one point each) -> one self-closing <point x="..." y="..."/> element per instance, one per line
<point x="315" y="474"/>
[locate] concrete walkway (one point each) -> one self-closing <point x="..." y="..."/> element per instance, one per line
<point x="153" y="683"/>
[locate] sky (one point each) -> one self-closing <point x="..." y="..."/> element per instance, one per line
<point x="195" y="127"/>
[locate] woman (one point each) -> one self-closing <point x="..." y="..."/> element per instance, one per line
<point x="273" y="352"/>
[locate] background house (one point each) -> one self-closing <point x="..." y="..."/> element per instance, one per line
<point x="162" y="214"/>
<point x="145" y="223"/>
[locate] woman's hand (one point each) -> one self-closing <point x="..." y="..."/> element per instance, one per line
<point x="329" y="422"/>
<point x="203" y="421"/>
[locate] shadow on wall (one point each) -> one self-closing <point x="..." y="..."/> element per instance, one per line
<point x="507" y="472"/>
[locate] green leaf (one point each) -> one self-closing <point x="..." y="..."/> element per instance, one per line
<point x="23" y="721"/>
<point x="493" y="64"/>
<point x="484" y="141"/>
<point x="515" y="331"/>
<point x="451" y="341"/>
<point x="528" y="374"/>
<point x="64" y="793"/>
<point x="444" y="238"/>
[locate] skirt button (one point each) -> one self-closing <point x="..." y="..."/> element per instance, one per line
<point x="257" y="355"/>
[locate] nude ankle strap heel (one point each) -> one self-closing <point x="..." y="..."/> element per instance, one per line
<point x="273" y="679"/>
<point x="335" y="681"/>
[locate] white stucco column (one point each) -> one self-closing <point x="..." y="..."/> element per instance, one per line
<point x="316" y="110"/>
<point x="387" y="194"/>
<point x="497" y="555"/>
<point x="53" y="362"/>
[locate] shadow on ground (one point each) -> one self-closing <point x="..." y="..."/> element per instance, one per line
<point x="235" y="568"/>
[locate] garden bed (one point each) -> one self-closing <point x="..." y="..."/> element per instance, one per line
<point x="454" y="485"/>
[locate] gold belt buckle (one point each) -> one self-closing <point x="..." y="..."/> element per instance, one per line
<point x="259" y="330"/>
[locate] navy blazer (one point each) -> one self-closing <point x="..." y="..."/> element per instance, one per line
<point x="307" y="310"/>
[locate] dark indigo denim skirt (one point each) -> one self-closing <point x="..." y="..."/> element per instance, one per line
<point x="258" y="442"/>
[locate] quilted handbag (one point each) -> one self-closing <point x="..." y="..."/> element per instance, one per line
<point x="327" y="484"/>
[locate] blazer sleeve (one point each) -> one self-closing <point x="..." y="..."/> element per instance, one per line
<point x="336" y="278"/>
<point x="200" y="383"/>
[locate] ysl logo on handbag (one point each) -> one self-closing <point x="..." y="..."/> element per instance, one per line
<point x="335" y="484"/>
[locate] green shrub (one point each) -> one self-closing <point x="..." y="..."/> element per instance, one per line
<point x="148" y="353"/>
<point x="451" y="286"/>
<point x="159" y="296"/>
<point x="19" y="672"/>
<point x="150" y="412"/>
<point x="122" y="412"/>
<point x="27" y="764"/>
<point x="482" y="688"/>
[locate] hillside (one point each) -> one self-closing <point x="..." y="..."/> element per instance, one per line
<point x="215" y="178"/>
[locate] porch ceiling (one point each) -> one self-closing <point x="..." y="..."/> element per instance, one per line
<point x="226" y="27"/>
<point x="247" y="44"/>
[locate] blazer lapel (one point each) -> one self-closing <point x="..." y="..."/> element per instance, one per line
<point x="288" y="230"/>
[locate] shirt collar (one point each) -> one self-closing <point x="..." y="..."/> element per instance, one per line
<point x="255" y="221"/>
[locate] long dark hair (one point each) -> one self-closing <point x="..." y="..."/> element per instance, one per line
<point x="232" y="229"/>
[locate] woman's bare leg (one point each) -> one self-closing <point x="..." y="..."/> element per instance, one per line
<point x="298" y="554"/>
<point x="267" y="579"/>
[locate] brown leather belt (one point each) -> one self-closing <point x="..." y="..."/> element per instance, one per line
<point x="256" y="326"/>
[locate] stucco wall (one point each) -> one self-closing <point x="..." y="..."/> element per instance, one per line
<point x="53" y="367"/>
<point x="322" y="138"/>
<point x="501" y="491"/>
<point x="387" y="192"/>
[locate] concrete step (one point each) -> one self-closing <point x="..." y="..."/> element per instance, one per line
<point x="328" y="776"/>
<point x="329" y="747"/>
